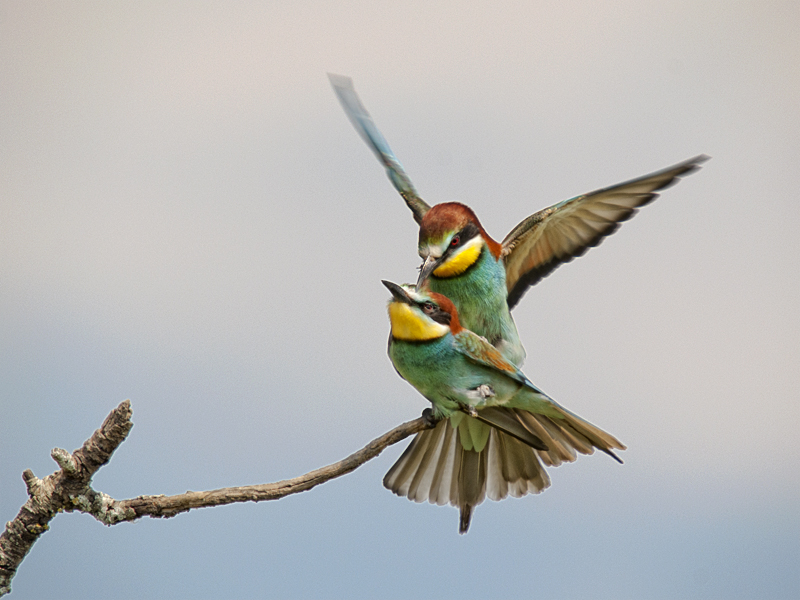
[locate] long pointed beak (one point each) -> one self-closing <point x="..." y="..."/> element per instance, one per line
<point x="398" y="292"/>
<point x="428" y="267"/>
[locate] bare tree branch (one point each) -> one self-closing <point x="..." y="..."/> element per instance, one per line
<point x="68" y="489"/>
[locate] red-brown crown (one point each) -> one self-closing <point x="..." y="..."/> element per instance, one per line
<point x="449" y="217"/>
<point x="448" y="307"/>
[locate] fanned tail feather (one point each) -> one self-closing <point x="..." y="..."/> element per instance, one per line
<point x="436" y="468"/>
<point x="568" y="435"/>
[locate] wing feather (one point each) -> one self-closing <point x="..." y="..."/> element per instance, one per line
<point x="362" y="121"/>
<point x="480" y="351"/>
<point x="557" y="234"/>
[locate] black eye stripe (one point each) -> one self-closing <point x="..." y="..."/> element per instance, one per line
<point x="436" y="314"/>
<point x="463" y="236"/>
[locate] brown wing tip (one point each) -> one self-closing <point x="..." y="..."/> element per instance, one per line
<point x="680" y="170"/>
<point x="612" y="454"/>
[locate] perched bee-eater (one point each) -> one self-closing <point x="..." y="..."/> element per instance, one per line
<point x="485" y="279"/>
<point x="497" y="428"/>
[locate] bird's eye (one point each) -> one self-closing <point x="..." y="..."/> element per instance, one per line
<point x="454" y="241"/>
<point x="428" y="307"/>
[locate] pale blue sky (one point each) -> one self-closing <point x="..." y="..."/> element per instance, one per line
<point x="188" y="220"/>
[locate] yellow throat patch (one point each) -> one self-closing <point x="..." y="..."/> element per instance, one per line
<point x="408" y="324"/>
<point x="462" y="260"/>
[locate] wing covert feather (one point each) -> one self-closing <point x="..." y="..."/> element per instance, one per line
<point x="480" y="351"/>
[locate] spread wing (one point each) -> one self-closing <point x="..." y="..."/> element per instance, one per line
<point x="359" y="117"/>
<point x="557" y="234"/>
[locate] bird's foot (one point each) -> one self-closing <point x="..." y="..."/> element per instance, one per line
<point x="429" y="417"/>
<point x="466" y="408"/>
<point x="485" y="392"/>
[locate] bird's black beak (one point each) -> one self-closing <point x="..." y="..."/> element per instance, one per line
<point x="398" y="292"/>
<point x="428" y="267"/>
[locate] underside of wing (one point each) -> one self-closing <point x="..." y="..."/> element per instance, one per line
<point x="557" y="234"/>
<point x="362" y="121"/>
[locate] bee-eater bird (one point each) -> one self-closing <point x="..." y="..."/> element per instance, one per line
<point x="483" y="278"/>
<point x="497" y="428"/>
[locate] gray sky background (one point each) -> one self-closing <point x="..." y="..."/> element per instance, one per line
<point x="188" y="220"/>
